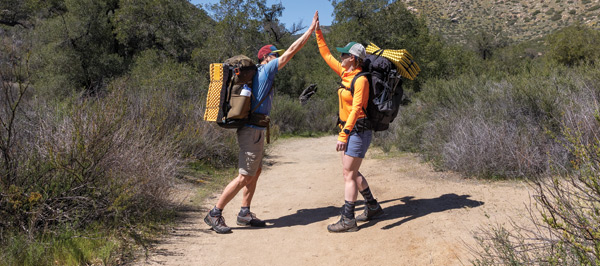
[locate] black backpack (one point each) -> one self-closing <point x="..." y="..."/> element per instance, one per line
<point x="385" y="91"/>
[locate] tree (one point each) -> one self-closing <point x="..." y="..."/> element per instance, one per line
<point x="239" y="28"/>
<point x="13" y="89"/>
<point x="76" y="50"/>
<point x="357" y="19"/>
<point x="174" y="27"/>
<point x="23" y="12"/>
<point x="392" y="26"/>
<point x="485" y="43"/>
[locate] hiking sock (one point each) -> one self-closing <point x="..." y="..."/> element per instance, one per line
<point x="366" y="193"/>
<point x="244" y="211"/>
<point x="215" y="212"/>
<point x="348" y="209"/>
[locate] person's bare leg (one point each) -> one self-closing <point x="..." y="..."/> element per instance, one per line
<point x="232" y="189"/>
<point x="361" y="182"/>
<point x="250" y="188"/>
<point x="351" y="166"/>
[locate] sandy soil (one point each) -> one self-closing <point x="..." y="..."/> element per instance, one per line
<point x="430" y="216"/>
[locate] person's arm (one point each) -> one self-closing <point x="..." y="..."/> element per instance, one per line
<point x="298" y="44"/>
<point x="326" y="54"/>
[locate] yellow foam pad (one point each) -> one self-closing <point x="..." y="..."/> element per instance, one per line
<point x="401" y="58"/>
<point x="213" y="98"/>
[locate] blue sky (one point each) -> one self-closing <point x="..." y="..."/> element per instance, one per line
<point x="296" y="10"/>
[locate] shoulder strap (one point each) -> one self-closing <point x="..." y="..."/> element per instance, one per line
<point x="261" y="101"/>
<point x="360" y="74"/>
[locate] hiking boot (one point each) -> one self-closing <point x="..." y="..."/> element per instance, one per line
<point x="217" y="224"/>
<point x="343" y="225"/>
<point x="369" y="213"/>
<point x="250" y="220"/>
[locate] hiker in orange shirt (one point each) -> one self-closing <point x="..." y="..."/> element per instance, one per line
<point x="355" y="136"/>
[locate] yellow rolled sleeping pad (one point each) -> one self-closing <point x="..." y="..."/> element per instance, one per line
<point x="401" y="58"/>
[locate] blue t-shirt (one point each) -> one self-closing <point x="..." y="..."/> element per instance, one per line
<point x="261" y="84"/>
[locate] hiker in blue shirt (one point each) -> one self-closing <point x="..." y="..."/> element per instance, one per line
<point x="251" y="137"/>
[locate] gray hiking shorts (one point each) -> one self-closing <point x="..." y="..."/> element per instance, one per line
<point x="251" y="142"/>
<point x="358" y="143"/>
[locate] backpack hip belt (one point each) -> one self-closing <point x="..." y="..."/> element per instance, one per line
<point x="361" y="124"/>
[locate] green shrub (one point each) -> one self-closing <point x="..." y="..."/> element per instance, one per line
<point x="556" y="16"/>
<point x="168" y="98"/>
<point x="574" y="45"/>
<point x="317" y="115"/>
<point x="68" y="248"/>
<point x="593" y="8"/>
<point x="288" y="115"/>
<point x="494" y="125"/>
<point x="566" y="231"/>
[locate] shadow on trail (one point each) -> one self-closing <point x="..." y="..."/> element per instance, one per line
<point x="413" y="209"/>
<point x="304" y="217"/>
<point x="408" y="210"/>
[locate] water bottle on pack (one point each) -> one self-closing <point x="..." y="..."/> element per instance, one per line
<point x="246" y="91"/>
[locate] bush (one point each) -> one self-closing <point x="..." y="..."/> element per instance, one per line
<point x="292" y="117"/>
<point x="90" y="165"/>
<point x="556" y="16"/>
<point x="593" y="8"/>
<point x="107" y="160"/>
<point x="478" y="125"/>
<point x="574" y="45"/>
<point x="566" y="232"/>
<point x="168" y="98"/>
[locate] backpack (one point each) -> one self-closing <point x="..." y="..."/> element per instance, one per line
<point x="226" y="102"/>
<point x="385" y="91"/>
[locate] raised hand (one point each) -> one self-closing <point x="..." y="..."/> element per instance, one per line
<point x="315" y="22"/>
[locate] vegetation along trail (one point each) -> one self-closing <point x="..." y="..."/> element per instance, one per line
<point x="430" y="216"/>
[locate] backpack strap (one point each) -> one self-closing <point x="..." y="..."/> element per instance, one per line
<point x="229" y="86"/>
<point x="354" y="81"/>
<point x="261" y="101"/>
<point x="360" y="74"/>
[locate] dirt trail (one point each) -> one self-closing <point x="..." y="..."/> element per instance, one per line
<point x="430" y="216"/>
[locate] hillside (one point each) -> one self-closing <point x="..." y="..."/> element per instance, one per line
<point x="518" y="20"/>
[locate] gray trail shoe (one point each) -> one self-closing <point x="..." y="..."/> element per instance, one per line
<point x="217" y="224"/>
<point x="369" y="213"/>
<point x="250" y="220"/>
<point x="343" y="225"/>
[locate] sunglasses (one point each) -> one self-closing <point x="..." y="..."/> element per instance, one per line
<point x="274" y="54"/>
<point x="344" y="55"/>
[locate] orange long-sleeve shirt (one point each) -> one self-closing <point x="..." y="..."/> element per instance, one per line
<point x="350" y="108"/>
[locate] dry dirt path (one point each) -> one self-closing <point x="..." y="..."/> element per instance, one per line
<point x="430" y="216"/>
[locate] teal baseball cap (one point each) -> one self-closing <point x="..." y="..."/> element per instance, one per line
<point x="353" y="48"/>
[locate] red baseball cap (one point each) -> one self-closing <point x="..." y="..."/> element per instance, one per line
<point x="269" y="49"/>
